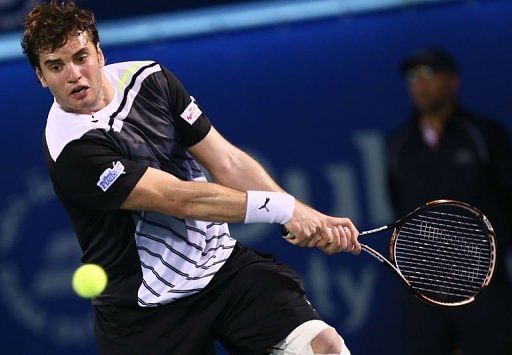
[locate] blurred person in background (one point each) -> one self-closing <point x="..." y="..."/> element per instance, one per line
<point x="123" y="142"/>
<point x="446" y="151"/>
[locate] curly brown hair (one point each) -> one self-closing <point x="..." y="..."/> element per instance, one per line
<point x="49" y="25"/>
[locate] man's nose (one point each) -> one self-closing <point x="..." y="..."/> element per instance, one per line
<point x="73" y="73"/>
<point x="420" y="84"/>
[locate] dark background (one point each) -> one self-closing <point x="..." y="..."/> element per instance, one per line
<point x="13" y="11"/>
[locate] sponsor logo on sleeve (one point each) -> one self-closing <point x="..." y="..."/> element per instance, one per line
<point x="110" y="175"/>
<point x="192" y="112"/>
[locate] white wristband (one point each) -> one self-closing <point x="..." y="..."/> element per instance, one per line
<point x="269" y="207"/>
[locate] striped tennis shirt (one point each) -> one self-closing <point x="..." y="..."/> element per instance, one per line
<point x="96" y="160"/>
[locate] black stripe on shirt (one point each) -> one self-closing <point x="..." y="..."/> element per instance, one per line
<point x="160" y="278"/>
<point x="217" y="237"/>
<point x="149" y="288"/>
<point x="156" y="255"/>
<point x="170" y="248"/>
<point x="218" y="247"/>
<point x="197" y="230"/>
<point x="203" y="265"/>
<point x="176" y="234"/>
<point x="185" y="291"/>
<point x="149" y="304"/>
<point x="214" y="224"/>
<point x="127" y="90"/>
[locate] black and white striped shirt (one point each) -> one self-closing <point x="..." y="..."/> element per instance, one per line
<point x="95" y="161"/>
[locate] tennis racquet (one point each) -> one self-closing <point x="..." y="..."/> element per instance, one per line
<point x="444" y="251"/>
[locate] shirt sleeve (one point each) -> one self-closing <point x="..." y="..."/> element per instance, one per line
<point x="93" y="173"/>
<point x="191" y="123"/>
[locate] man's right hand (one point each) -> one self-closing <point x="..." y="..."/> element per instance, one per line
<point x="310" y="228"/>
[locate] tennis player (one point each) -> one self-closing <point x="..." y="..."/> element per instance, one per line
<point x="123" y="143"/>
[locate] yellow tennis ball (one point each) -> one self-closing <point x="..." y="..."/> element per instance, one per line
<point x="89" y="280"/>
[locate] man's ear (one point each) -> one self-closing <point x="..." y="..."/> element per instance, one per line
<point x="41" y="78"/>
<point x="101" y="57"/>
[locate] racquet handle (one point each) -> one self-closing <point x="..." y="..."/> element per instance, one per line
<point x="375" y="230"/>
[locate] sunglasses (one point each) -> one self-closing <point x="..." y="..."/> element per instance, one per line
<point x="424" y="71"/>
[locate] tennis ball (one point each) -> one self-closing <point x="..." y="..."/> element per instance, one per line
<point x="89" y="280"/>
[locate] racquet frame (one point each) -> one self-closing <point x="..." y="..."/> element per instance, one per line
<point x="391" y="262"/>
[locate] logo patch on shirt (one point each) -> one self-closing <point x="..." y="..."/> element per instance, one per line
<point x="192" y="112"/>
<point x="110" y="175"/>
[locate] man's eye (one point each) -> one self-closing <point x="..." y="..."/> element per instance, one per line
<point x="81" y="59"/>
<point x="427" y="72"/>
<point x="411" y="76"/>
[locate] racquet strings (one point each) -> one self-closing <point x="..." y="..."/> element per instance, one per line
<point x="445" y="253"/>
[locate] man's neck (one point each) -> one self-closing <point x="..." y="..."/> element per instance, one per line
<point x="108" y="91"/>
<point x="437" y="120"/>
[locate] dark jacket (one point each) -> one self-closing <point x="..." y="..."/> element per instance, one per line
<point x="471" y="163"/>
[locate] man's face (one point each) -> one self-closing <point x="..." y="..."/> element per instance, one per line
<point x="74" y="76"/>
<point x="431" y="90"/>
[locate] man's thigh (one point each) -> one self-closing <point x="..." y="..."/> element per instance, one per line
<point x="265" y="302"/>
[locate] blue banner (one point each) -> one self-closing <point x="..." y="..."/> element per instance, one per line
<point x="12" y="12"/>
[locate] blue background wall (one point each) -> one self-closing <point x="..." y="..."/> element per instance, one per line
<point x="313" y="101"/>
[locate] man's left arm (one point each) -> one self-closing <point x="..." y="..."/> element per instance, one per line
<point x="231" y="167"/>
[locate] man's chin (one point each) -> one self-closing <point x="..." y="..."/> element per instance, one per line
<point x="429" y="108"/>
<point x="81" y="108"/>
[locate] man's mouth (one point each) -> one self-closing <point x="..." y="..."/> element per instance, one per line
<point x="79" y="90"/>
